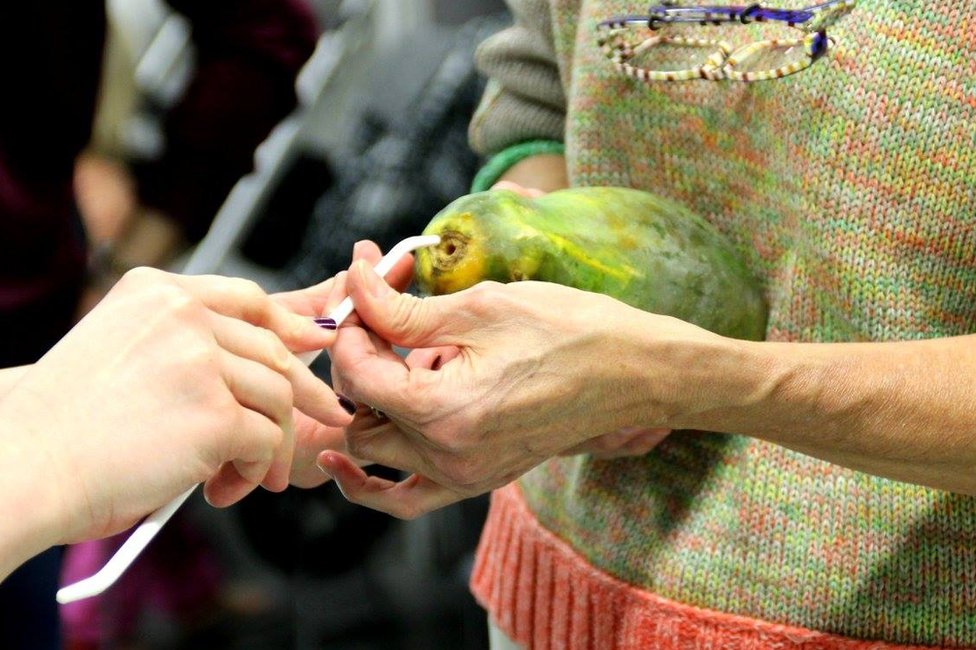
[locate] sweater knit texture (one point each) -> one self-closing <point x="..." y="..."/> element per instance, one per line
<point x="850" y="190"/>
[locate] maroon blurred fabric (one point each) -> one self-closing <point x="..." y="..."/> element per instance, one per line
<point x="247" y="55"/>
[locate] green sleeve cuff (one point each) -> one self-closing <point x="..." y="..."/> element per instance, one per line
<point x="505" y="159"/>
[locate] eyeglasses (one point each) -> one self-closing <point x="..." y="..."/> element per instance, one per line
<point x="673" y="56"/>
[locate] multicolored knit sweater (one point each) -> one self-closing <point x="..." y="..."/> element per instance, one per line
<point x="850" y="188"/>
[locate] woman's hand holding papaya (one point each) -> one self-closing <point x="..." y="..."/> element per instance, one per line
<point x="629" y="441"/>
<point x="538" y="369"/>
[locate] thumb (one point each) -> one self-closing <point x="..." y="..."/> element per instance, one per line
<point x="400" y="318"/>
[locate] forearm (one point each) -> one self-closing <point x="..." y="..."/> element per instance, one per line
<point x="545" y="172"/>
<point x="903" y="410"/>
<point x="28" y="509"/>
<point x="9" y="377"/>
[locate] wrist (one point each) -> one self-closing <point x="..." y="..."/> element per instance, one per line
<point x="32" y="510"/>
<point x="725" y="384"/>
<point x="541" y="162"/>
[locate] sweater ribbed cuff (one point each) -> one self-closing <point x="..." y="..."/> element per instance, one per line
<point x="542" y="594"/>
<point x="505" y="159"/>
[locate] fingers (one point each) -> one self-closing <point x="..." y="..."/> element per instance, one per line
<point x="262" y="390"/>
<point x="323" y="297"/>
<point x="399" y="276"/>
<point x="266" y="378"/>
<point x="383" y="443"/>
<point x="406" y="499"/>
<point x="527" y="192"/>
<point x="254" y="447"/>
<point x="246" y="301"/>
<point x="366" y="369"/>
<point x="312" y="438"/>
<point x="227" y="487"/>
<point x="308" y="302"/>
<point x="403" y="319"/>
<point x="308" y="393"/>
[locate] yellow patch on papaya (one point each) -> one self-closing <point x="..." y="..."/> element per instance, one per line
<point x="622" y="273"/>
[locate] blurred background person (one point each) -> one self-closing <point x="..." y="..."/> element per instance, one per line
<point x="247" y="54"/>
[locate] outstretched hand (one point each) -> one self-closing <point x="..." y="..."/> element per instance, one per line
<point x="170" y="381"/>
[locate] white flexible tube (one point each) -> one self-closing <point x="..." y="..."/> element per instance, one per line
<point x="134" y="545"/>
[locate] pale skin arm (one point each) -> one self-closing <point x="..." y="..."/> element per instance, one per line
<point x="34" y="511"/>
<point x="171" y="381"/>
<point x="29" y="508"/>
<point x="533" y="379"/>
<point x="9" y="377"/>
<point x="545" y="173"/>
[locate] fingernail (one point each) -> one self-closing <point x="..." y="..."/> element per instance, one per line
<point x="324" y="471"/>
<point x="325" y="323"/>
<point x="347" y="404"/>
<point x="322" y="463"/>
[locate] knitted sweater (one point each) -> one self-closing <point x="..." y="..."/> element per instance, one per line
<point x="850" y="189"/>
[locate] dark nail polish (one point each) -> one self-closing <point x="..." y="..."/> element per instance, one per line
<point x="326" y="323"/>
<point x="347" y="404"/>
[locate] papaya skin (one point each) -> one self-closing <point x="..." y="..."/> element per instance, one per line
<point x="646" y="251"/>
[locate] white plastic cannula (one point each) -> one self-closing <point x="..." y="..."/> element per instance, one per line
<point x="134" y="545"/>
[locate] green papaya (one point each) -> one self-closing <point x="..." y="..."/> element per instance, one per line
<point x="646" y="251"/>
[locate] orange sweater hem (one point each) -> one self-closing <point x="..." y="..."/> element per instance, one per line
<point x="543" y="594"/>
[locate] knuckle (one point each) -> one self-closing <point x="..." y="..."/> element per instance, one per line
<point x="171" y="298"/>
<point x="283" y="396"/>
<point x="484" y="297"/>
<point x="251" y="297"/>
<point x="142" y="275"/>
<point x="409" y="314"/>
<point x="249" y="289"/>
<point x="202" y="355"/>
<point x="275" y="438"/>
<point x="279" y="359"/>
<point x="264" y="437"/>
<point x="219" y="410"/>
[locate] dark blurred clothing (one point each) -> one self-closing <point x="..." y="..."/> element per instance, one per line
<point x="408" y="154"/>
<point x="247" y="55"/>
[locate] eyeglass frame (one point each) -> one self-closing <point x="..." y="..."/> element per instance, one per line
<point x="813" y="21"/>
